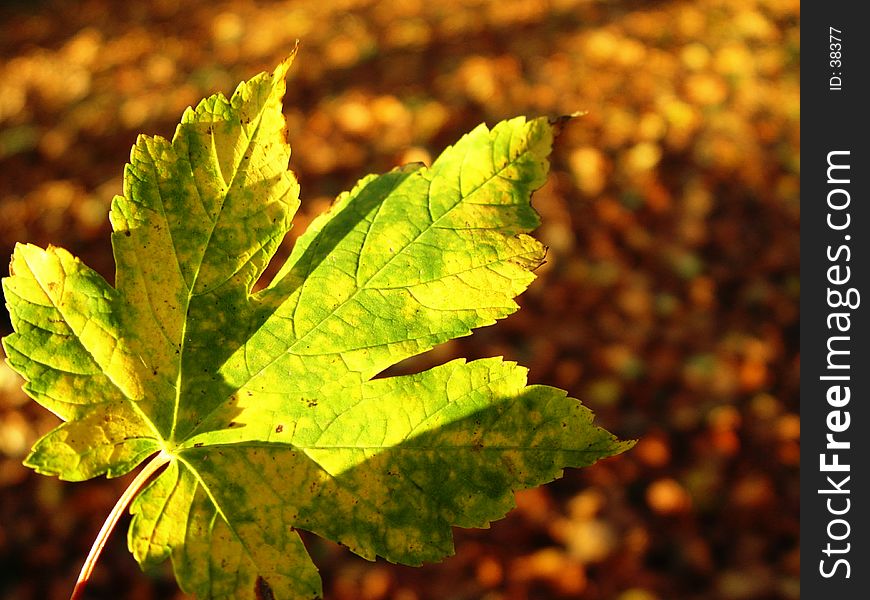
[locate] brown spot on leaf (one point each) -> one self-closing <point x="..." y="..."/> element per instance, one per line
<point x="198" y="445"/>
<point x="279" y="428"/>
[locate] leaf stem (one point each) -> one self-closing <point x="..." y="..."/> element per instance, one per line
<point x="137" y="484"/>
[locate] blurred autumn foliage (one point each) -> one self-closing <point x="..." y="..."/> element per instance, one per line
<point x="669" y="302"/>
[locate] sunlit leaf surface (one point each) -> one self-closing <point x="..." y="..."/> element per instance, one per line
<point x="266" y="402"/>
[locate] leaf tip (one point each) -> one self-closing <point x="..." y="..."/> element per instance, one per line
<point x="283" y="67"/>
<point x="558" y="123"/>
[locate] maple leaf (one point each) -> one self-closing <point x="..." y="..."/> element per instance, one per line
<point x="263" y="409"/>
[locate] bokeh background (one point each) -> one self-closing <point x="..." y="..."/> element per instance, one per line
<point x="669" y="302"/>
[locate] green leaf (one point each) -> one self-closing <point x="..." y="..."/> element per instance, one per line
<point x="266" y="405"/>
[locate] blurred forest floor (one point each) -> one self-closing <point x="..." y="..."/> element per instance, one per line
<point x="669" y="303"/>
